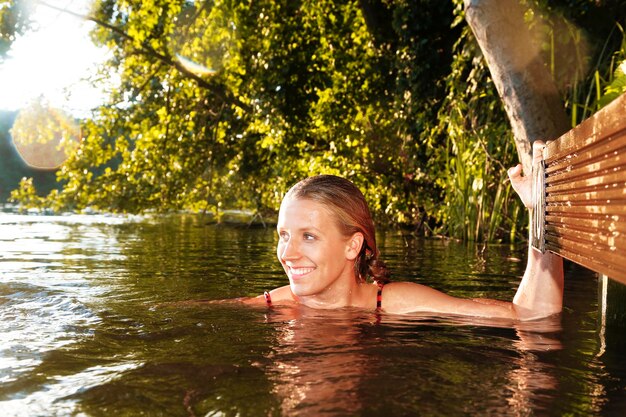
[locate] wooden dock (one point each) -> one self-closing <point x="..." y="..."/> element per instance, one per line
<point x="581" y="215"/>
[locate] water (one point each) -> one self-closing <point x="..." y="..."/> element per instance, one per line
<point x="95" y="320"/>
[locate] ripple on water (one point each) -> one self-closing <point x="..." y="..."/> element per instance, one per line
<point x="79" y="333"/>
<point x="57" y="392"/>
<point x="46" y="300"/>
<point x="35" y="320"/>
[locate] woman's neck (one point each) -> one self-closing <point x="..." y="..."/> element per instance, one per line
<point x="340" y="294"/>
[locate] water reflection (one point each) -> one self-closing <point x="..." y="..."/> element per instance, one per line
<point x="329" y="363"/>
<point x="318" y="361"/>
<point x="79" y="331"/>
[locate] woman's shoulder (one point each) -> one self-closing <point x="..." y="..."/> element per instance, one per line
<point x="277" y="295"/>
<point x="400" y="287"/>
<point x="281" y="294"/>
<point x="403" y="297"/>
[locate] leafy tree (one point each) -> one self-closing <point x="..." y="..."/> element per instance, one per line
<point x="227" y="103"/>
<point x="14" y="19"/>
<point x="217" y="98"/>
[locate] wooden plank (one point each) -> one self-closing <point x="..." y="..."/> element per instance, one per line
<point x="610" y="145"/>
<point x="602" y="178"/>
<point x="600" y="126"/>
<point x="589" y="262"/>
<point x="603" y="209"/>
<point x="603" y="241"/>
<point x="595" y="194"/>
<point x="593" y="223"/>
<point x="580" y="209"/>
<point x="611" y="259"/>
<point x="605" y="163"/>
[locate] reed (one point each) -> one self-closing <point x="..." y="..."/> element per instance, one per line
<point x="477" y="201"/>
<point x="605" y="81"/>
<point x="479" y="205"/>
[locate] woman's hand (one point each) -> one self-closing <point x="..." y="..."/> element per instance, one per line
<point x="540" y="293"/>
<point x="523" y="185"/>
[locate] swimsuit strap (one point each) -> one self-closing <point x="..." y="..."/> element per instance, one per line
<point x="379" y="297"/>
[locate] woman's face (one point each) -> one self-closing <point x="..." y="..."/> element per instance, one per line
<point x="311" y="249"/>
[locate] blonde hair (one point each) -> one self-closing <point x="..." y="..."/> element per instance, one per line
<point x="352" y="215"/>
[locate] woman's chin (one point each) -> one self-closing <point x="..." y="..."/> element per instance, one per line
<point x="300" y="290"/>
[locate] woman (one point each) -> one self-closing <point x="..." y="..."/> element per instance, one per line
<point x="328" y="249"/>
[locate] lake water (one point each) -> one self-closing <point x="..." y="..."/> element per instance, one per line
<point x="95" y="320"/>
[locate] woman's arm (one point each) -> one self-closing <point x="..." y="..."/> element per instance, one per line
<point x="540" y="293"/>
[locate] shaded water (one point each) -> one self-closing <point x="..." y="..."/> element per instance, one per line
<point x="91" y="323"/>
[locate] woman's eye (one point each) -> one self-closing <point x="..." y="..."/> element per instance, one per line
<point x="284" y="236"/>
<point x="308" y="236"/>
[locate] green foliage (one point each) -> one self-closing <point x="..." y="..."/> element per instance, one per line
<point x="14" y="19"/>
<point x="614" y="79"/>
<point x="26" y="194"/>
<point x="477" y="203"/>
<point x="583" y="43"/>
<point x="225" y="104"/>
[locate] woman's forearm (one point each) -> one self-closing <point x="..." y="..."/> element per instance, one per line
<point x="540" y="293"/>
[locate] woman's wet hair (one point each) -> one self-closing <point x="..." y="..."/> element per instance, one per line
<point x="352" y="214"/>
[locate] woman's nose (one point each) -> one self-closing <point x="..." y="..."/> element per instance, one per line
<point x="289" y="251"/>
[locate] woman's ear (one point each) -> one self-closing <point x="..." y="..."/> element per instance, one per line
<point x="355" y="243"/>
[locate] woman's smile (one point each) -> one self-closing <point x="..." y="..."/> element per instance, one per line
<point x="299" y="272"/>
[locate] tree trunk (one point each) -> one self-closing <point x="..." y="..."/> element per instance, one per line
<point x="523" y="81"/>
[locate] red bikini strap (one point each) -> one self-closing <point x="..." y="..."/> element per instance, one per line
<point x="379" y="297"/>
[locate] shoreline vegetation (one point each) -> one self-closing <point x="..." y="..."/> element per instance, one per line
<point x="250" y="98"/>
<point x="229" y="218"/>
<point x="234" y="218"/>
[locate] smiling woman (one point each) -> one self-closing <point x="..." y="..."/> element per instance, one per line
<point x="327" y="247"/>
<point x="318" y="259"/>
<point x="324" y="262"/>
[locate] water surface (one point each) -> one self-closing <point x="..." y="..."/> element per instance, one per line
<point x="94" y="321"/>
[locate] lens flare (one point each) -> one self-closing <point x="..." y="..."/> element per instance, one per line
<point x="202" y="38"/>
<point x="194" y="67"/>
<point x="43" y="136"/>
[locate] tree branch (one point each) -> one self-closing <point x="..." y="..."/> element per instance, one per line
<point x="164" y="58"/>
<point x="524" y="83"/>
